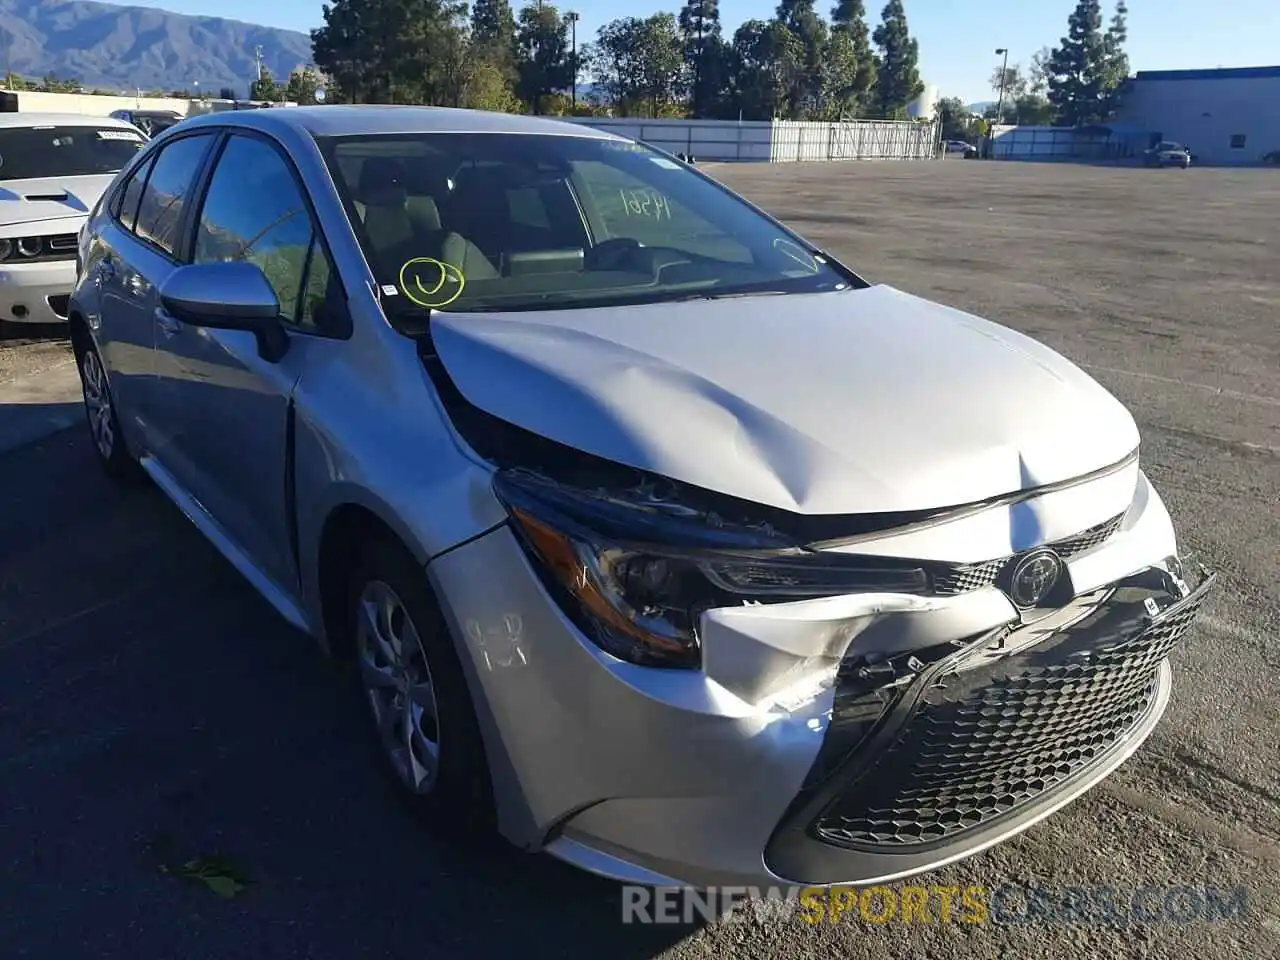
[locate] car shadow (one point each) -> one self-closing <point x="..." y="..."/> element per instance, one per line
<point x="185" y="775"/>
<point x="17" y="334"/>
<point x="22" y="423"/>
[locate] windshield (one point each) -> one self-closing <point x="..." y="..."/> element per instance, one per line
<point x="518" y="222"/>
<point x="30" y="153"/>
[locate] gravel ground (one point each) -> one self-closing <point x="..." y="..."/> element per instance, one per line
<point x="152" y="709"/>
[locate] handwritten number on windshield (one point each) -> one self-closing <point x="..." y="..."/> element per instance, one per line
<point x="645" y="203"/>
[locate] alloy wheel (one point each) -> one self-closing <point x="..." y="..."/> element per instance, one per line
<point x="97" y="404"/>
<point x="398" y="685"/>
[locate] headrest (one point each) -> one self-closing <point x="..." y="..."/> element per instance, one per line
<point x="382" y="182"/>
<point x="481" y="193"/>
<point x="424" y="212"/>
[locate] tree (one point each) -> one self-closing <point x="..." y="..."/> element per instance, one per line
<point x="1010" y="81"/>
<point x="493" y="34"/>
<point x="393" y="51"/>
<point x="838" y="93"/>
<point x="766" y="55"/>
<point x="1034" y="110"/>
<point x="1115" y="69"/>
<point x="1015" y="87"/>
<point x="704" y="50"/>
<point x="545" y="65"/>
<point x="956" y="119"/>
<point x="849" y="21"/>
<point x="804" y="84"/>
<point x="1038" y="74"/>
<point x="639" y="64"/>
<point x="303" y="84"/>
<point x="1080" y="86"/>
<point x="897" y="68"/>
<point x="487" y="87"/>
<point x="265" y="87"/>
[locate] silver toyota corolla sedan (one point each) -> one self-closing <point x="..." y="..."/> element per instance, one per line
<point x="659" y="540"/>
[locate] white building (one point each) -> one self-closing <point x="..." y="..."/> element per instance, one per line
<point x="1225" y="116"/>
<point x="924" y="106"/>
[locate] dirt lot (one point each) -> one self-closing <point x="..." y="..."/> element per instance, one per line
<point x="152" y="708"/>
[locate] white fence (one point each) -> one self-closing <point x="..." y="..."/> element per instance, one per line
<point x="854" y="140"/>
<point x="98" y="105"/>
<point x="762" y="141"/>
<point x="780" y="141"/>
<point x="703" y="139"/>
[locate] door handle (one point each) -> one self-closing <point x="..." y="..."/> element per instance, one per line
<point x="167" y="322"/>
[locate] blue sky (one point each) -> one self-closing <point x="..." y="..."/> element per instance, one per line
<point x="957" y="40"/>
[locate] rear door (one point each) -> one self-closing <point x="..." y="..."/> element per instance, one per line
<point x="140" y="250"/>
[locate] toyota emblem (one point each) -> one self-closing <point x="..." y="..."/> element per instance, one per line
<point x="1033" y="576"/>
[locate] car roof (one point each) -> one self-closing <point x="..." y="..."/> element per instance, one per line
<point x="59" y="120"/>
<point x="364" y="119"/>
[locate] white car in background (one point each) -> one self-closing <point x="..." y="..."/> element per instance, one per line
<point x="53" y="170"/>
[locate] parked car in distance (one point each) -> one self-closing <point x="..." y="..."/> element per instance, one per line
<point x="959" y="147"/>
<point x="657" y="539"/>
<point x="150" y="122"/>
<point x="53" y="169"/>
<point x="1167" y="154"/>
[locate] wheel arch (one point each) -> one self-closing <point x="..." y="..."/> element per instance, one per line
<point x="79" y="333"/>
<point x="346" y="528"/>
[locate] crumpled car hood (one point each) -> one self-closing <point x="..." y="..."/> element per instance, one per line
<point x="26" y="201"/>
<point x="859" y="401"/>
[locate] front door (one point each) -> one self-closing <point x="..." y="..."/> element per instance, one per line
<point x="231" y="406"/>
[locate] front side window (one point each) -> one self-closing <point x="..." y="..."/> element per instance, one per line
<point x="472" y="222"/>
<point x="254" y="211"/>
<point x="31" y="153"/>
<point x="168" y="191"/>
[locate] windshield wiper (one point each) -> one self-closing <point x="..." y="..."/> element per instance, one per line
<point x="728" y="295"/>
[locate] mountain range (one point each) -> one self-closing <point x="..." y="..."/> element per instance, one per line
<point x="125" y="48"/>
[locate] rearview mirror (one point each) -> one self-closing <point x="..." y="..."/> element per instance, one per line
<point x="232" y="295"/>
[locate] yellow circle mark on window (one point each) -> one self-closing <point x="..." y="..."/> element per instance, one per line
<point x="431" y="283"/>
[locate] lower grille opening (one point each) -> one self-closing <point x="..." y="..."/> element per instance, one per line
<point x="60" y="304"/>
<point x="984" y="742"/>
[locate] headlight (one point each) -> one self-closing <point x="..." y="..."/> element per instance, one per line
<point x="6" y="249"/>
<point x="637" y="581"/>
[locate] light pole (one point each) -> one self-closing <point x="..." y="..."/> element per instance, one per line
<point x="572" y="17"/>
<point x="1004" y="73"/>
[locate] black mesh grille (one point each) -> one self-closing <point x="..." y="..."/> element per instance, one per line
<point x="986" y="741"/>
<point x="962" y="578"/>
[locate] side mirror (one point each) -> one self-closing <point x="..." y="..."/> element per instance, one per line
<point x="232" y="295"/>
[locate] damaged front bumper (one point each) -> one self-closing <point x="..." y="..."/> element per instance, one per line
<point x="987" y="739"/>
<point x="845" y="739"/>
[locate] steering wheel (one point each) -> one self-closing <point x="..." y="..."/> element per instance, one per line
<point x="613" y="254"/>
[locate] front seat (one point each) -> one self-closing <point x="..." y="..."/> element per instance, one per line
<point x="381" y="201"/>
<point x="467" y="257"/>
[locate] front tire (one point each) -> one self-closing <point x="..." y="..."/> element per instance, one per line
<point x="416" y="693"/>
<point x="102" y="418"/>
